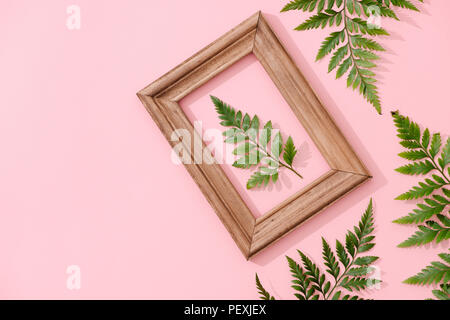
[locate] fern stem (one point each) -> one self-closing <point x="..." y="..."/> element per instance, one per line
<point x="352" y="55"/>
<point x="292" y="169"/>
<point x="267" y="153"/>
<point x="348" y="40"/>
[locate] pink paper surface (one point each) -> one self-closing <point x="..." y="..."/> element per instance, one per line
<point x="86" y="177"/>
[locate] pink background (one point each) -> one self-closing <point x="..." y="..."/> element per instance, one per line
<point x="86" y="177"/>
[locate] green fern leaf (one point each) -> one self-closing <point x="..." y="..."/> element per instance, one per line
<point x="365" y="261"/>
<point x="444" y="160"/>
<point x="365" y="226"/>
<point x="337" y="57"/>
<point x="249" y="160"/>
<point x="365" y="54"/>
<point x="225" y="111"/>
<point x="343" y="68"/>
<point x="434" y="273"/>
<point x="320" y="20"/>
<point x="435" y="145"/>
<point x="424" y="189"/>
<point x="444" y="220"/>
<point x="310" y="283"/>
<point x="359" y="25"/>
<point x="417" y="168"/>
<point x="298" y="5"/>
<point x="342" y="254"/>
<point x="320" y="5"/>
<point x="330" y="43"/>
<point x="368" y="5"/>
<point x="413" y="155"/>
<point x="445" y="257"/>
<point x="404" y="4"/>
<point x="330" y="259"/>
<point x="301" y="282"/>
<point x="364" y="43"/>
<point x="355" y="14"/>
<point x="359" y="271"/>
<point x="444" y="293"/>
<point x="370" y="91"/>
<point x="409" y="144"/>
<point x="265" y="135"/>
<point x="351" y="243"/>
<point x="289" y="151"/>
<point x="263" y="292"/>
<point x="313" y="272"/>
<point x="423" y="236"/>
<point x="420" y="215"/>
<point x="354" y="284"/>
<point x="426" y="139"/>
<point x="253" y="149"/>
<point x="277" y="145"/>
<point x="349" y="297"/>
<point x="257" y="179"/>
<point x="424" y="146"/>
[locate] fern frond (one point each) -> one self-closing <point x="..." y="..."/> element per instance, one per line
<point x="263" y="292"/>
<point x="338" y="294"/>
<point x="444" y="160"/>
<point x="384" y="11"/>
<point x="305" y="5"/>
<point x="354" y="15"/>
<point x="365" y="43"/>
<point x="342" y="254"/>
<point x="258" y="179"/>
<point x="330" y="43"/>
<point x="226" y="113"/>
<point x="314" y="274"/>
<point x="252" y="145"/>
<point x="416" y="168"/>
<point x="426" y="235"/>
<point x="423" y="213"/>
<point x="354" y="283"/>
<point x="423" y="189"/>
<point x="301" y="282"/>
<point x="434" y="273"/>
<point x="423" y="149"/>
<point x="413" y="155"/>
<point x="289" y="151"/>
<point x="357" y="25"/>
<point x="310" y="283"/>
<point x="365" y="261"/>
<point x="320" y="20"/>
<point x="443" y="293"/>
<point x="404" y="4"/>
<point x="330" y="260"/>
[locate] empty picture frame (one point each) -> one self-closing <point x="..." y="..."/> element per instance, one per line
<point x="254" y="35"/>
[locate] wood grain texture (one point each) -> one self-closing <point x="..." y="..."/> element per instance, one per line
<point x="240" y="232"/>
<point x="212" y="67"/>
<point x="254" y="35"/>
<point x="202" y="56"/>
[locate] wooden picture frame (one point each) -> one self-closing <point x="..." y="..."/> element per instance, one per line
<point x="254" y="35"/>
